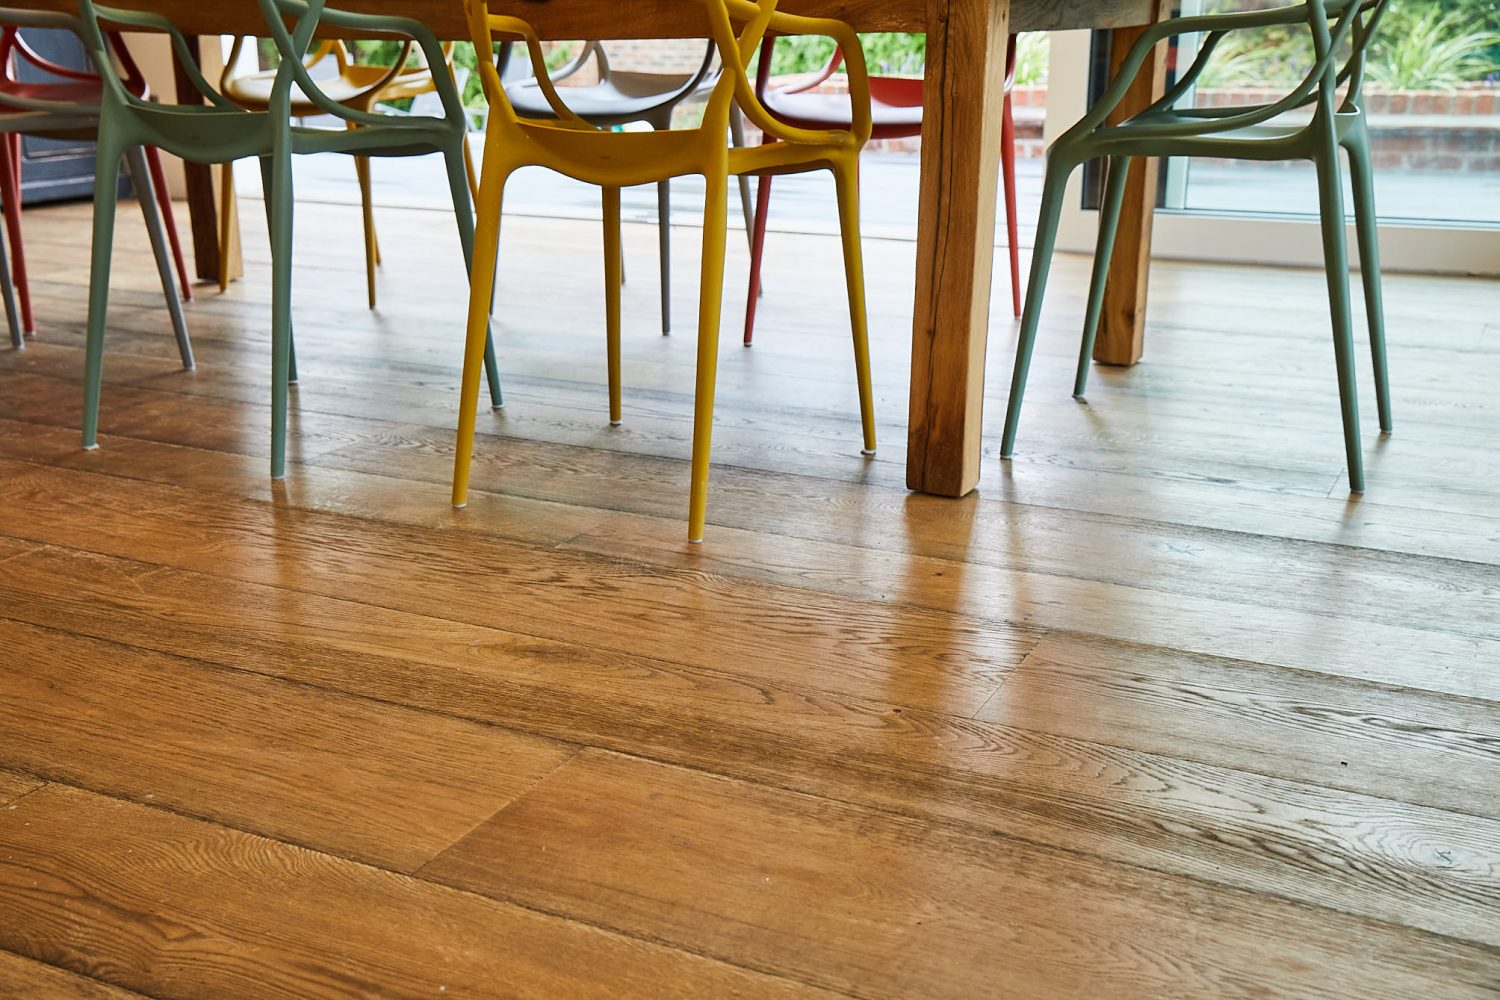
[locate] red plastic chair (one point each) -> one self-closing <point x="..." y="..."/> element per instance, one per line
<point x="896" y="105"/>
<point x="78" y="87"/>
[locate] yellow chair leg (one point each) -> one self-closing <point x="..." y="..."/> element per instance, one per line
<point x="715" y="234"/>
<point x="613" y="279"/>
<point x="846" y="179"/>
<point x="227" y="221"/>
<point x="367" y="203"/>
<point x="481" y="288"/>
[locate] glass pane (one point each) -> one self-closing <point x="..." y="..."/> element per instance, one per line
<point x="1432" y="96"/>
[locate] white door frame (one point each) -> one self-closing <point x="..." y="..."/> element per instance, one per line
<point x="1246" y="239"/>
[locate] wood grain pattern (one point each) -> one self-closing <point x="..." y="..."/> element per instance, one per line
<point x="1166" y="813"/>
<point x="177" y="908"/>
<point x="1430" y="749"/>
<point x="884" y="907"/>
<point x="1099" y="767"/>
<point x="772" y="632"/>
<point x="358" y="778"/>
<point x="966" y="44"/>
<point x="24" y="979"/>
<point x="568" y="19"/>
<point x="1122" y="324"/>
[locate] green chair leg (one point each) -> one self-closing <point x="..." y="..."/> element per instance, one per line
<point x="1109" y="226"/>
<point x="1053" y="191"/>
<point x="1367" y="226"/>
<point x="281" y="305"/>
<point x="1336" y="262"/>
<point x="267" y="180"/>
<point x="463" y="211"/>
<point x="106" y="181"/>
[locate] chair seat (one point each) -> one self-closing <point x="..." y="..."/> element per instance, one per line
<point x="831" y="111"/>
<point x="627" y="97"/>
<point x="253" y="91"/>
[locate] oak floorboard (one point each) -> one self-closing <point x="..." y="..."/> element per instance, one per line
<point x="1436" y="750"/>
<point x="885" y="907"/>
<point x="1286" y="838"/>
<point x="1159" y="646"/>
<point x="25" y="979"/>
<point x="177" y="908"/>
<point x="370" y="781"/>
<point x="858" y="646"/>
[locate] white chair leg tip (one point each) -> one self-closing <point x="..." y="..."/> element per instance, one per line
<point x="615" y="423"/>
<point x="91" y="447"/>
<point x="867" y="452"/>
<point x="461" y="506"/>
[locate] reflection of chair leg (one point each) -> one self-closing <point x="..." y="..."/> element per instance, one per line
<point x="463" y="211"/>
<point x="106" y="184"/>
<point x="169" y="219"/>
<point x="1367" y="225"/>
<point x="1109" y="226"/>
<point x="1008" y="181"/>
<point x="10" y="192"/>
<point x="281" y="303"/>
<point x="227" y="220"/>
<point x="8" y="294"/>
<point x="140" y="176"/>
<point x="664" y="240"/>
<point x="612" y="281"/>
<point x="757" y="254"/>
<point x="847" y="182"/>
<point x="1336" y="263"/>
<point x="1053" y="190"/>
<point x="493" y="175"/>
<point x="711" y="301"/>
<point x="367" y="204"/>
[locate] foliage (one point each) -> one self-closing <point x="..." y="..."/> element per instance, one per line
<point x="1432" y="51"/>
<point x="1420" y="45"/>
<point x="897" y="54"/>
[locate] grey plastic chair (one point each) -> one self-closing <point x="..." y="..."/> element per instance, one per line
<point x="624" y="98"/>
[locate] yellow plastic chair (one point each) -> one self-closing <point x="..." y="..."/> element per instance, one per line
<point x="355" y="86"/>
<point x="570" y="145"/>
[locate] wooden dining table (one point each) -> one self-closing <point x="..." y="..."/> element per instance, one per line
<point x="966" y="45"/>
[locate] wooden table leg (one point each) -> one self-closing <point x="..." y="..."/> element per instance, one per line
<point x="1122" y="328"/>
<point x="964" y="95"/>
<point x="202" y="184"/>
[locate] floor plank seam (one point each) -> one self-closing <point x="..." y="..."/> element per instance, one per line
<point x="446" y="887"/>
<point x="536" y="783"/>
<point x="123" y="990"/>
<point x="42" y="782"/>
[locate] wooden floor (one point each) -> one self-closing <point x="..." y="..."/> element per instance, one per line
<point x="1161" y="712"/>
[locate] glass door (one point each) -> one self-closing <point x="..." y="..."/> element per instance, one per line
<point x="1433" y="100"/>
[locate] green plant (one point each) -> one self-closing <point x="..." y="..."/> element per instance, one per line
<point x="1432" y="50"/>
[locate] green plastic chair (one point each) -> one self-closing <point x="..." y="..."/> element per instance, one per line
<point x="1243" y="132"/>
<point x="37" y="111"/>
<point x="221" y="132"/>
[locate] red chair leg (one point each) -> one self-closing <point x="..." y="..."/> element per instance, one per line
<point x="1008" y="176"/>
<point x="10" y="192"/>
<point x="169" y="221"/>
<point x="757" y="250"/>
